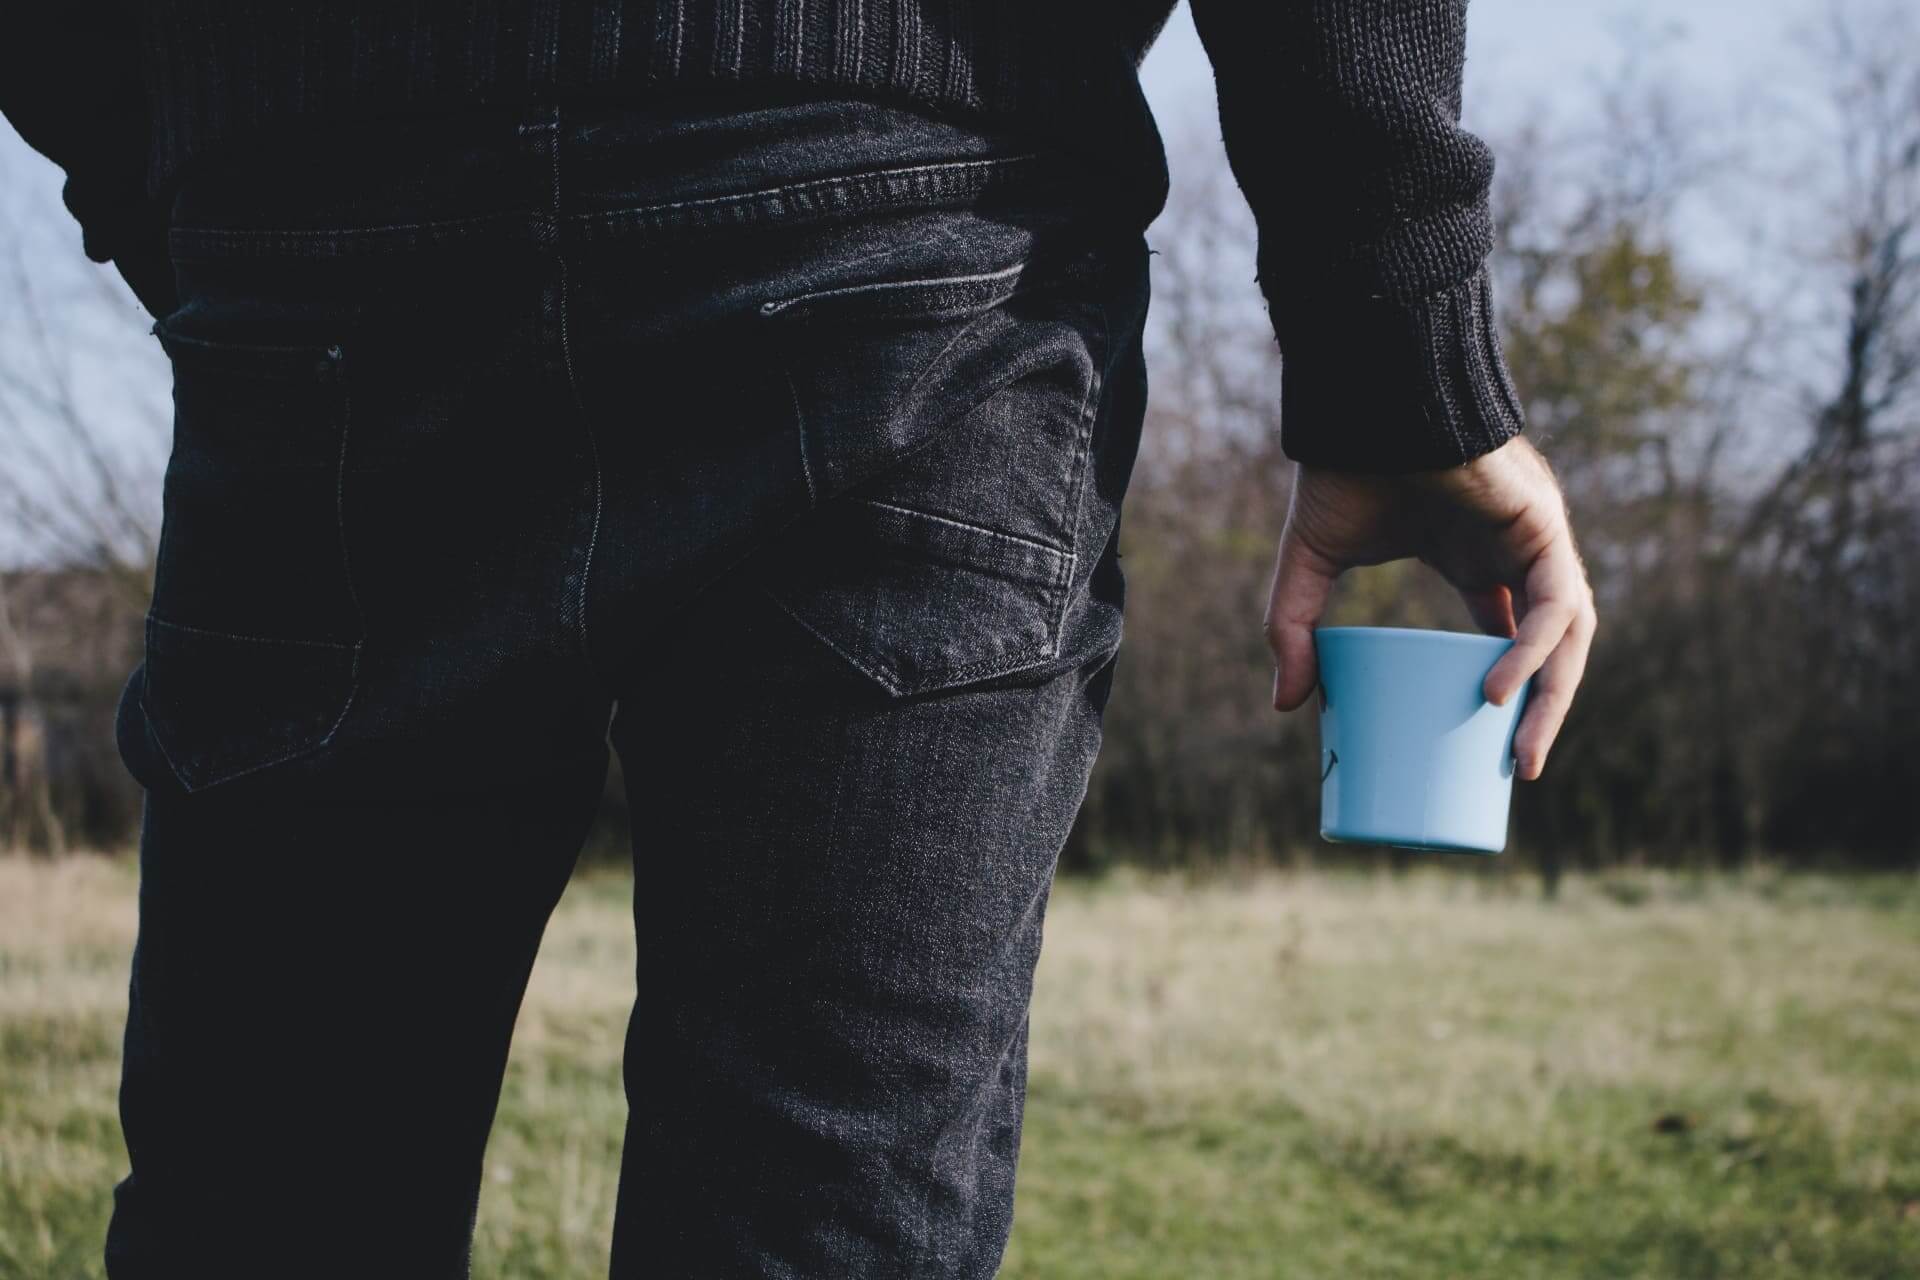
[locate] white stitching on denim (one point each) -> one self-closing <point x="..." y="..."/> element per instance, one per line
<point x="1058" y="553"/>
<point x="897" y="172"/>
<point x="579" y="402"/>
<point x="936" y="677"/>
<point x="353" y="696"/>
<point x="800" y="430"/>
<point x="864" y="175"/>
<point x="775" y="306"/>
<point x="883" y="678"/>
<point x="1090" y="415"/>
<point x="168" y="337"/>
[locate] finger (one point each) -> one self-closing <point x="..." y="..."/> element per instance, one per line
<point x="1554" y="593"/>
<point x="1491" y="609"/>
<point x="1302" y="582"/>
<point x="1552" y="695"/>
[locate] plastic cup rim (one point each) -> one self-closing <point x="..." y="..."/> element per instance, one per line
<point x="1421" y="633"/>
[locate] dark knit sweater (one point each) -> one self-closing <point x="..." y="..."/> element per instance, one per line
<point x="1340" y="119"/>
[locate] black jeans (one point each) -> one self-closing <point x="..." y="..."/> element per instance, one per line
<point x="781" y="447"/>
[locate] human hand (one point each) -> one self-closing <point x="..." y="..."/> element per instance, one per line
<point x="1496" y="528"/>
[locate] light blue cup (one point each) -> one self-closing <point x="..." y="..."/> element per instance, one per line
<point x="1411" y="753"/>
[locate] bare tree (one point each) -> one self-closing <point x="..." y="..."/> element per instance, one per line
<point x="83" y="436"/>
<point x="83" y="426"/>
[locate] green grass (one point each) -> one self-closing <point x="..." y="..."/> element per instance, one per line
<point x="1428" y="1076"/>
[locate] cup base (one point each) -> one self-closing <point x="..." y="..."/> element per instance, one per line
<point x="1396" y="841"/>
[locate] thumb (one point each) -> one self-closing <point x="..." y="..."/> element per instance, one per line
<point x="1302" y="581"/>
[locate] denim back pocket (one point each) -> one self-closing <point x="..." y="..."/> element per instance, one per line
<point x="945" y="423"/>
<point x="924" y="299"/>
<point x="254" y="635"/>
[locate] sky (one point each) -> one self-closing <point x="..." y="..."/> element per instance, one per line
<point x="1523" y="55"/>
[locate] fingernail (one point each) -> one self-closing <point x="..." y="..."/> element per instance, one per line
<point x="1276" y="688"/>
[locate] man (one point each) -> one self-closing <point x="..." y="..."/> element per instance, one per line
<point x="752" y="385"/>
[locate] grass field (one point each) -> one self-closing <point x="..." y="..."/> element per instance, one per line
<point x="1435" y="1075"/>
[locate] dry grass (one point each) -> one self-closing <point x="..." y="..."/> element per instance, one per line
<point x="1315" y="1075"/>
<point x="1440" y="1075"/>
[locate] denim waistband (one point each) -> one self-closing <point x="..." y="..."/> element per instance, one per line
<point x="584" y="171"/>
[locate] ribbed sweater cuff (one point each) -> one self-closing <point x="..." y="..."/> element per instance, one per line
<point x="1394" y="385"/>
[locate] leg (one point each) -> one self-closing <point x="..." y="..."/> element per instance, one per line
<point x="371" y="747"/>
<point x="858" y="758"/>
<point x="323" y="992"/>
<point x="839" y="910"/>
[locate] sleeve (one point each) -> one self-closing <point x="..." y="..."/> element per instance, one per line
<point x="70" y="84"/>
<point x="1341" y="124"/>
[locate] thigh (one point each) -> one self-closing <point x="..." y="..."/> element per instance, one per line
<point x="371" y="747"/>
<point x="323" y="991"/>
<point x="853" y="765"/>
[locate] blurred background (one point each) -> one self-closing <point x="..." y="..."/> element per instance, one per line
<point x="1710" y="289"/>
<point x="1670" y="1032"/>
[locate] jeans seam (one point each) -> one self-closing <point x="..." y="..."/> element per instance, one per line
<point x="938" y="677"/>
<point x="1000" y="663"/>
<point x="882" y="677"/>
<point x="796" y="201"/>
<point x="579" y="401"/>
<point x="171" y="625"/>
<point x="1077" y="474"/>
<point x="839" y="181"/>
<point x="800" y="432"/>
<point x="975" y="289"/>
<point x="1055" y="553"/>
